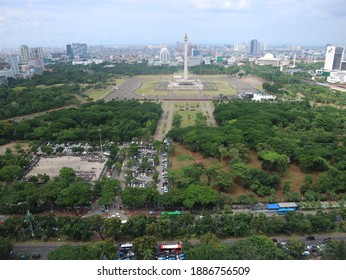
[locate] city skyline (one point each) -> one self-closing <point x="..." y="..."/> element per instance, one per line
<point x="120" y="22"/>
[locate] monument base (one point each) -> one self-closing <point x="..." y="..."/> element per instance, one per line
<point x="188" y="84"/>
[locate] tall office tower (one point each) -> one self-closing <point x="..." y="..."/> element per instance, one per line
<point x="14" y="64"/>
<point x="36" y="53"/>
<point x="334" y="58"/>
<point x="25" y="53"/>
<point x="164" y="56"/>
<point x="254" y="47"/>
<point x="79" y="50"/>
<point x="69" y="51"/>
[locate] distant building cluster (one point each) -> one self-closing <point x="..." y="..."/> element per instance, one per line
<point x="27" y="61"/>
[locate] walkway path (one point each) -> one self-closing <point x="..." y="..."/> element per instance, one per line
<point x="207" y="109"/>
<point x="165" y="122"/>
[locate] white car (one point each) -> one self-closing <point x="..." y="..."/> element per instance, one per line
<point x="118" y="215"/>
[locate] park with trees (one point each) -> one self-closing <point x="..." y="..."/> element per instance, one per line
<point x="276" y="136"/>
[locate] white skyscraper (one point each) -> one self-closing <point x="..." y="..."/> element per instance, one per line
<point x="335" y="57"/>
<point x="164" y="56"/>
<point x="25" y="52"/>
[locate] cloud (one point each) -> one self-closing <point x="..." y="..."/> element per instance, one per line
<point x="314" y="8"/>
<point x="220" y="4"/>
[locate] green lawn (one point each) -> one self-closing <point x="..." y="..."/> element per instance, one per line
<point x="45" y="86"/>
<point x="189" y="113"/>
<point x="97" y="94"/>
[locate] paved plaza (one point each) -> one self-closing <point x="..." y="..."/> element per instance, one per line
<point x="85" y="167"/>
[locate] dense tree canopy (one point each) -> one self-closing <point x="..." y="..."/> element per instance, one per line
<point x="281" y="133"/>
<point x="115" y="120"/>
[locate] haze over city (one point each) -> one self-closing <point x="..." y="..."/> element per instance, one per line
<point x="121" y="22"/>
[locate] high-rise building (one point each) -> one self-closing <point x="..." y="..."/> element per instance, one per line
<point x="164" y="56"/>
<point x="14" y="64"/>
<point x="79" y="50"/>
<point x="335" y="58"/>
<point x="25" y="53"/>
<point x="254" y="47"/>
<point x="69" y="51"/>
<point x="36" y="53"/>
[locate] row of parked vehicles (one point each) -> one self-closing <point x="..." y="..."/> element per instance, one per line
<point x="165" y="167"/>
<point x="164" y="252"/>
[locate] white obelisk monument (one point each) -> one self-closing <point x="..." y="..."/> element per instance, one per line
<point x="185" y="58"/>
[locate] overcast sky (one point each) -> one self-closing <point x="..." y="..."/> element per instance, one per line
<point x="118" y="22"/>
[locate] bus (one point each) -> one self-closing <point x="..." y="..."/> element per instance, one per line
<point x="171" y="252"/>
<point x="174" y="247"/>
<point x="171" y="213"/>
<point x="126" y="246"/>
<point x="282" y="211"/>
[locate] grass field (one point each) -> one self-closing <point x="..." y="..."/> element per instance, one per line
<point x="45" y="86"/>
<point x="97" y="94"/>
<point x="113" y="82"/>
<point x="19" y="89"/>
<point x="188" y="110"/>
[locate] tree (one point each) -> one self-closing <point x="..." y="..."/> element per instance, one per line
<point x="144" y="247"/>
<point x="287" y="187"/>
<point x="76" y="194"/>
<point x="112" y="227"/>
<point x="10" y="173"/>
<point x="97" y="223"/>
<point x="103" y="250"/>
<point x="295" y="248"/>
<point x="256" y="247"/>
<point x="211" y="171"/>
<point x="334" y="250"/>
<point x="176" y="120"/>
<point x="273" y="161"/>
<point x="5" y="248"/>
<point x="68" y="252"/>
<point x="209" y="248"/>
<point x="14" y="227"/>
<point x="197" y="196"/>
<point x="224" y="181"/>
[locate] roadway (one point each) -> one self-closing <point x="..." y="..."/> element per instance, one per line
<point x="44" y="248"/>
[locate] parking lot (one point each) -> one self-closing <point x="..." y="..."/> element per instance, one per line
<point x="145" y="167"/>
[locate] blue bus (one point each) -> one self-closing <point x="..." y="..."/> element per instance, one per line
<point x="283" y="211"/>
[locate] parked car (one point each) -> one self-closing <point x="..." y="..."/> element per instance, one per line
<point x="310" y="238"/>
<point x="36" y="256"/>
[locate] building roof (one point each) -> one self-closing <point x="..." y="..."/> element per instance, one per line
<point x="274" y="206"/>
<point x="288" y="204"/>
<point x="268" y="56"/>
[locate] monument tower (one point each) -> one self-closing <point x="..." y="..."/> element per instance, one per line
<point x="185" y="83"/>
